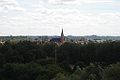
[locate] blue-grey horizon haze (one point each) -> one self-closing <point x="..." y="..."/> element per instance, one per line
<point x="48" y="17"/>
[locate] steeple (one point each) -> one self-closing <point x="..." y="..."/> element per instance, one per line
<point x="62" y="37"/>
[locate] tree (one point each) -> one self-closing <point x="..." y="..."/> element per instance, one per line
<point x="112" y="72"/>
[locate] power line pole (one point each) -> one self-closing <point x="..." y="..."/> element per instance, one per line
<point x="55" y="55"/>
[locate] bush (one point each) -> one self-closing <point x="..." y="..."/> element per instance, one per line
<point x="113" y="72"/>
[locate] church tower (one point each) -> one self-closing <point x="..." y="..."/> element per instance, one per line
<point x="62" y="37"/>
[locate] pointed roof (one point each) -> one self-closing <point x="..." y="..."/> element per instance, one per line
<point x="62" y="32"/>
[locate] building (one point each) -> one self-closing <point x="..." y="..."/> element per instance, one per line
<point x="58" y="39"/>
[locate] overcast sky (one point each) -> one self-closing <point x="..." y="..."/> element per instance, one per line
<point x="48" y="17"/>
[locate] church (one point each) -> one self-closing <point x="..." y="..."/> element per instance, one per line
<point x="58" y="40"/>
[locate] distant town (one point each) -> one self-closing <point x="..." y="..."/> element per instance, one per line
<point x="60" y="39"/>
<point x="67" y="38"/>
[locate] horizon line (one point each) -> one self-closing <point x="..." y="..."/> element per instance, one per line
<point x="59" y="35"/>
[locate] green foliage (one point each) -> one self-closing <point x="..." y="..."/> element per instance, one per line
<point x="20" y="71"/>
<point x="29" y="71"/>
<point x="92" y="72"/>
<point x="70" y="53"/>
<point x="49" y="48"/>
<point x="60" y="76"/>
<point x="113" y="72"/>
<point x="27" y="60"/>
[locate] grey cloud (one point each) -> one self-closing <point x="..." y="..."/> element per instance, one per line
<point x="56" y="18"/>
<point x="10" y="5"/>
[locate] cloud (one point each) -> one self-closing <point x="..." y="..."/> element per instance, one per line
<point x="45" y="17"/>
<point x="10" y="5"/>
<point x="98" y="1"/>
<point x="76" y="23"/>
<point x="78" y="1"/>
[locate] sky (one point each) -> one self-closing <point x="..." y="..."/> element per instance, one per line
<point x="48" y="17"/>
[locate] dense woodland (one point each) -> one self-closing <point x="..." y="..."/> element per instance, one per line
<point x="27" y="60"/>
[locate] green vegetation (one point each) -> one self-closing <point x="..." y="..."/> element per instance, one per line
<point x="27" y="60"/>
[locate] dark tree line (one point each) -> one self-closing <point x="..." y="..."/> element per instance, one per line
<point x="36" y="61"/>
<point x="72" y="53"/>
<point x="107" y="52"/>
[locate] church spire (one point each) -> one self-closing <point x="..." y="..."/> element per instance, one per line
<point x="62" y="36"/>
